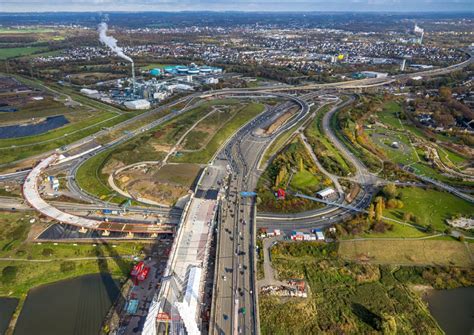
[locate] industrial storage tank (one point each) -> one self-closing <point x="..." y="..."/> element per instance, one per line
<point x="193" y="70"/>
<point x="170" y="69"/>
<point x="205" y="69"/>
<point x="181" y="69"/>
<point x="155" y="72"/>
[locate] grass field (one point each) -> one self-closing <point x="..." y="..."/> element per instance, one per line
<point x="390" y="117"/>
<point x="406" y="252"/>
<point x="4" y="30"/>
<point x="90" y="178"/>
<point x="383" y="139"/>
<point x="345" y="297"/>
<point x="430" y="206"/>
<point x="398" y="231"/>
<point x="242" y="117"/>
<point x="13" y="233"/>
<point x="327" y="154"/>
<point x="390" y="114"/>
<point x="450" y="158"/>
<point x="303" y="179"/>
<point x="6" y="53"/>
<point x="198" y="138"/>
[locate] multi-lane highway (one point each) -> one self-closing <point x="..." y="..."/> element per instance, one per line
<point x="234" y="303"/>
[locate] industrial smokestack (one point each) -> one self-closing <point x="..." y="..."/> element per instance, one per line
<point x="133" y="77"/>
<point x="419" y="30"/>
<point x="403" y="65"/>
<point x="112" y="44"/>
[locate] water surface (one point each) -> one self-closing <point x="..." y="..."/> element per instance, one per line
<point x="73" y="306"/>
<point x="19" y="130"/>
<point x="453" y="309"/>
<point x="7" y="307"/>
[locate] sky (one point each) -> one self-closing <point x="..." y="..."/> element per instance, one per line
<point x="236" y="5"/>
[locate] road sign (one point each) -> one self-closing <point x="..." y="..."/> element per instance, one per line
<point x="248" y="194"/>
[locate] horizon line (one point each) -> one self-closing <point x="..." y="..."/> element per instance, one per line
<point x="242" y="11"/>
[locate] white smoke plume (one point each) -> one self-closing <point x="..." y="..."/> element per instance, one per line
<point x="111" y="42"/>
<point x="418" y="30"/>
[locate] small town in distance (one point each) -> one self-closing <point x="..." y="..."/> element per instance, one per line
<point x="236" y="168"/>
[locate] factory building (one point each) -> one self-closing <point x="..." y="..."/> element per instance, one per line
<point x="373" y="74"/>
<point x="193" y="69"/>
<point x="137" y="104"/>
<point x="211" y="81"/>
<point x="89" y="92"/>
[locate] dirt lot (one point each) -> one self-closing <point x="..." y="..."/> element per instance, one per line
<point x="406" y="252"/>
<point x="280" y="121"/>
<point x="163" y="185"/>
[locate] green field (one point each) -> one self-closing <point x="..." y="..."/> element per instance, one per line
<point x="198" y="138"/>
<point x="181" y="174"/>
<point x="398" y="230"/>
<point x="6" y="53"/>
<point x="84" y="121"/>
<point x="324" y="150"/>
<point x="430" y="206"/>
<point x="90" y="178"/>
<point x="390" y="116"/>
<point x="57" y="263"/>
<point x="450" y="158"/>
<point x="302" y="180"/>
<point x="383" y="139"/>
<point x="5" y="30"/>
<point x="408" y="252"/>
<point x="345" y="297"/>
<point x="242" y="117"/>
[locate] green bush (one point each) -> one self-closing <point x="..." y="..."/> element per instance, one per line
<point x="9" y="274"/>
<point x="67" y="266"/>
<point x="47" y="252"/>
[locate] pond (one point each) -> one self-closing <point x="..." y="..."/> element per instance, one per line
<point x="19" y="130"/>
<point x="453" y="309"/>
<point x="7" y="307"/>
<point x="73" y="306"/>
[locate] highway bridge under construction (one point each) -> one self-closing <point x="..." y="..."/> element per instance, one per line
<point x="33" y="197"/>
